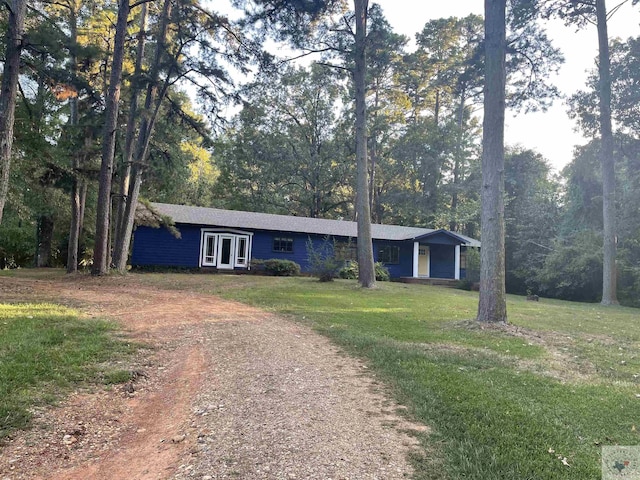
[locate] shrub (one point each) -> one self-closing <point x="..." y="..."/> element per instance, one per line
<point x="573" y="270"/>
<point x="281" y="268"/>
<point x="323" y="262"/>
<point x="472" y="274"/>
<point x="464" y="284"/>
<point x="473" y="265"/>
<point x="350" y="271"/>
<point x="17" y="245"/>
<point x="382" y="272"/>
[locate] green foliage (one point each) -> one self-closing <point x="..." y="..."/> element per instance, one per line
<point x="473" y="265"/>
<point x="281" y="268"/>
<point x="382" y="272"/>
<point x="324" y="264"/>
<point x="17" y="245"/>
<point x="288" y="152"/>
<point x="472" y="272"/>
<point x="578" y="243"/>
<point x="531" y="217"/>
<point x="43" y="349"/>
<point x="350" y="271"/>
<point x="573" y="270"/>
<point x="117" y="376"/>
<point x="149" y="217"/>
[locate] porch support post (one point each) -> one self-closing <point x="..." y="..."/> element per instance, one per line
<point x="457" y="261"/>
<point x="416" y="252"/>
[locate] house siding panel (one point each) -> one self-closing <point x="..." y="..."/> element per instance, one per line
<point x="263" y="247"/>
<point x="156" y="246"/>
<point x="405" y="267"/>
<point x="442" y="261"/>
<point x="440" y="239"/>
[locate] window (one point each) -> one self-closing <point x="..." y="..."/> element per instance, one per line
<point x="241" y="251"/>
<point x="210" y="250"/>
<point x="283" y="244"/>
<point x="463" y="260"/>
<point x="389" y="254"/>
<point x="346" y="251"/>
<point x="225" y="249"/>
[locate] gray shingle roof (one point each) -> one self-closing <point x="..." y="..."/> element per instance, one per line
<point x="286" y="223"/>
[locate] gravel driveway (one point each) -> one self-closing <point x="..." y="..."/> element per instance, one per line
<point x="228" y="391"/>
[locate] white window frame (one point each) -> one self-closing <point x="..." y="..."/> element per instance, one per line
<point x="216" y="234"/>
<point x="240" y="260"/>
<point x="232" y="251"/>
<point x="203" y="254"/>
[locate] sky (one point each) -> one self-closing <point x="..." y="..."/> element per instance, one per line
<point x="551" y="133"/>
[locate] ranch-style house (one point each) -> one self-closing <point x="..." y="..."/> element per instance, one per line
<point x="229" y="240"/>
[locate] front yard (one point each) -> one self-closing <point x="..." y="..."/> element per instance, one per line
<point x="535" y="400"/>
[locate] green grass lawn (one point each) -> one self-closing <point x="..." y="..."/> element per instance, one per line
<point x="512" y="403"/>
<point x="44" y="350"/>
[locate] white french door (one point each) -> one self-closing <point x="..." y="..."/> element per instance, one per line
<point x="226" y="258"/>
<point x="225" y="250"/>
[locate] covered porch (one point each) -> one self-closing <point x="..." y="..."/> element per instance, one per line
<point x="440" y="255"/>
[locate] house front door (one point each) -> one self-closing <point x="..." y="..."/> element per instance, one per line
<point x="225" y="252"/>
<point x="423" y="261"/>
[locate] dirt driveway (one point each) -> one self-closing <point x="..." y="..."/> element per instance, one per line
<point x="224" y="391"/>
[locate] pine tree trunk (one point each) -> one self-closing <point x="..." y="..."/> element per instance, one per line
<point x="8" y="92"/>
<point x="373" y="159"/>
<point x="125" y="174"/>
<point x="84" y="187"/>
<point x="453" y="224"/>
<point x="74" y="229"/>
<point x="366" y="271"/>
<point x="609" y="273"/>
<point x="45" y="239"/>
<point x="151" y="109"/>
<point x="492" y="305"/>
<point x="101" y="254"/>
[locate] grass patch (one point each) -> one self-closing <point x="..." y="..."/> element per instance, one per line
<point x="564" y="377"/>
<point x="44" y="349"/>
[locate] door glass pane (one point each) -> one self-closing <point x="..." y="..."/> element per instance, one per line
<point x="210" y="244"/>
<point x="225" y="254"/>
<point x="242" y="251"/>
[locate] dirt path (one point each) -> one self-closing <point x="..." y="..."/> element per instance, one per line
<point x="227" y="391"/>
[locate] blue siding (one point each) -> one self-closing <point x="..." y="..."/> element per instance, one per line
<point x="263" y="247"/>
<point x="440" y="238"/>
<point x="405" y="267"/>
<point x="156" y="246"/>
<point x="442" y="261"/>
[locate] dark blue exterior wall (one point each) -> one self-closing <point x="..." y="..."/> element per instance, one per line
<point x="156" y="246"/>
<point x="405" y="267"/>
<point x="263" y="247"/>
<point x="153" y="246"/>
<point x="442" y="261"/>
<point x="439" y="238"/>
